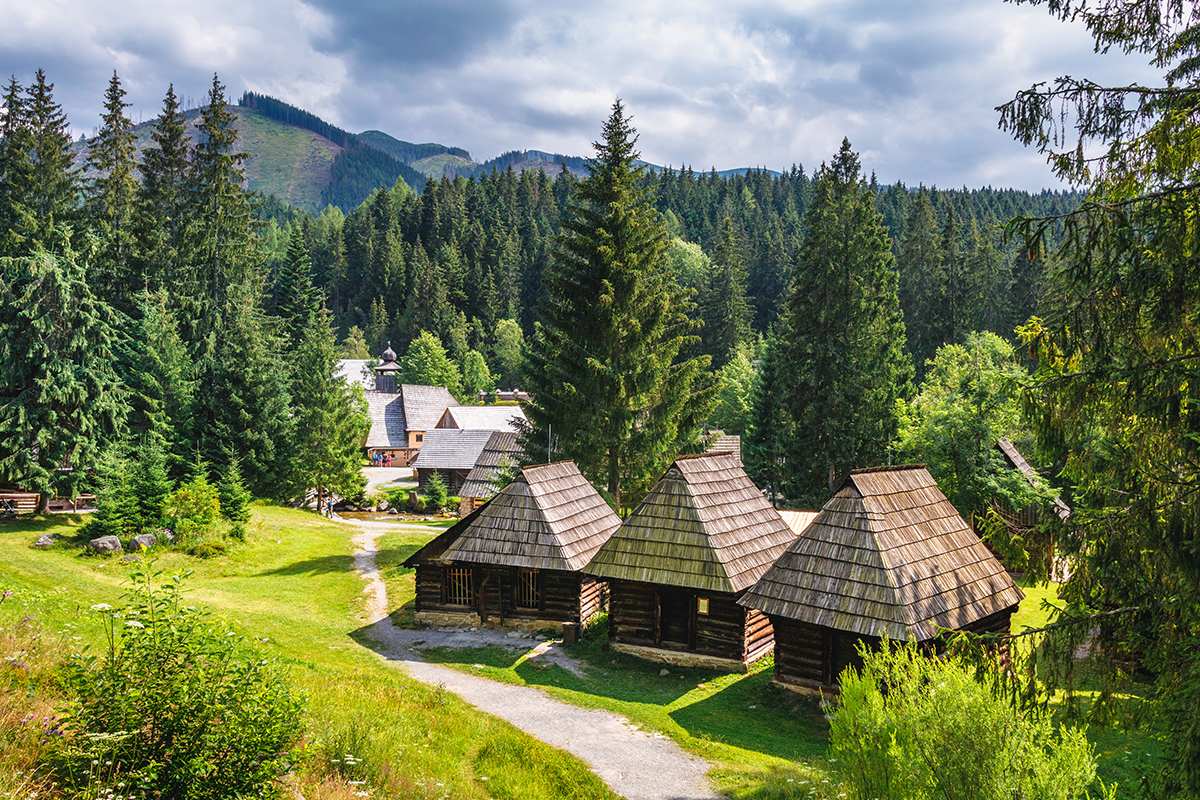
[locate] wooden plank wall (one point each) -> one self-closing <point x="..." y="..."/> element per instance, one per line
<point x="631" y="612"/>
<point x="23" y="502"/>
<point x="428" y="578"/>
<point x="561" y="593"/>
<point x="813" y="654"/>
<point x="760" y="636"/>
<point x="721" y="632"/>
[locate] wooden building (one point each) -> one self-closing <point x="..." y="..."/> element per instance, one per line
<point x="399" y="421"/>
<point x="500" y="453"/>
<point x="484" y="418"/>
<point x="451" y="453"/>
<point x="676" y="568"/>
<point x="888" y="555"/>
<point x="517" y="561"/>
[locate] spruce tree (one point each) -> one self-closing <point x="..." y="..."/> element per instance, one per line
<point x="330" y="419"/>
<point x="298" y="300"/>
<point x="843" y="359"/>
<point x="604" y="370"/>
<point x="111" y="201"/>
<point x="61" y="403"/>
<point x="922" y="282"/>
<point x="724" y="308"/>
<point x="52" y="191"/>
<point x="771" y="425"/>
<point x="15" y="166"/>
<point x="149" y="483"/>
<point x="163" y="208"/>
<point x="232" y="491"/>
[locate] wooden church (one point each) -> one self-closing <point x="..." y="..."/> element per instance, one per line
<point x="516" y="561"/>
<point x="888" y="555"/>
<point x="676" y="568"/>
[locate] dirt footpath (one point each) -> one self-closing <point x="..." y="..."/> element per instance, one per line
<point x="635" y="764"/>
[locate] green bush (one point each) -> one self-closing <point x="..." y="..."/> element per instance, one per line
<point x="237" y="532"/>
<point x="435" y="492"/>
<point x="910" y="727"/>
<point x="177" y="706"/>
<point x="234" y="496"/>
<point x="194" y="506"/>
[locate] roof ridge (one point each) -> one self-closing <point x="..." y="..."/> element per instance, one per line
<point x="887" y="468"/>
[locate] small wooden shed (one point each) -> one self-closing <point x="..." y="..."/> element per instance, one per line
<point x="676" y="568"/>
<point x="888" y="555"/>
<point x="517" y="561"/>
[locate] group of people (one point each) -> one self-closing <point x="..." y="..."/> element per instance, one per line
<point x="381" y="460"/>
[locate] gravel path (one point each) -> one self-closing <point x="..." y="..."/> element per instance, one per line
<point x="635" y="764"/>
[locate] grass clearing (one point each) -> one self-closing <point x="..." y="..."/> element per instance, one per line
<point x="291" y="588"/>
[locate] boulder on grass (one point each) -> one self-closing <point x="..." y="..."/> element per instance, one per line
<point x="105" y="544"/>
<point x="383" y="505"/>
<point x="45" y="540"/>
<point x="142" y="541"/>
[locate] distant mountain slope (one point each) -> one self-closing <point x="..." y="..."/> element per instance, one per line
<point x="408" y="152"/>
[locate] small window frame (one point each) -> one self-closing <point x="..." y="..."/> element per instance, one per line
<point x="702" y="606"/>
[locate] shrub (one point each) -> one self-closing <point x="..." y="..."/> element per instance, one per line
<point x="177" y="706"/>
<point x="910" y="727"/>
<point x="435" y="492"/>
<point x="194" y="506"/>
<point x="234" y="496"/>
<point x="237" y="532"/>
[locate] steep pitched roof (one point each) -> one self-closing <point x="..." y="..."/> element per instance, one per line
<point x="798" y="520"/>
<point x="423" y="405"/>
<point x="482" y="418"/>
<point x="387" y="420"/>
<point x="887" y="555"/>
<point x="451" y="448"/>
<point x="500" y="451"/>
<point x="550" y="517"/>
<point x="705" y="526"/>
<point x="726" y="443"/>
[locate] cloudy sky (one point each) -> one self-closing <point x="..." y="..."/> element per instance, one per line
<point x="912" y="83"/>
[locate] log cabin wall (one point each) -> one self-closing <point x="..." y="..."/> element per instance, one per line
<point x="813" y="655"/>
<point x="760" y="635"/>
<point x="430" y="592"/>
<point x="631" y="613"/>
<point x="722" y="631"/>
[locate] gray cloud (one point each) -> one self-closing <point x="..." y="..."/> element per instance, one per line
<point x="725" y="84"/>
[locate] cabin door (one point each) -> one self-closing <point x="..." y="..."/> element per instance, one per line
<point x="675" y="610"/>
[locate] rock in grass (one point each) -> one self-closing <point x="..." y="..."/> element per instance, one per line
<point x="105" y="544"/>
<point x="45" y="540"/>
<point x="142" y="541"/>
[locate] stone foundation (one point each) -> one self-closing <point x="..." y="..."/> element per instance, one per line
<point x="681" y="658"/>
<point x="470" y="619"/>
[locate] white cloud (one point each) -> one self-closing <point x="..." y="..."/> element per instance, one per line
<point x="725" y="84"/>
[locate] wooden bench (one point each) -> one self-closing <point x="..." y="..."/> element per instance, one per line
<point x="12" y="503"/>
<point x="63" y="503"/>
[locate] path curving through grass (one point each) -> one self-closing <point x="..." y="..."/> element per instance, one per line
<point x="635" y="764"/>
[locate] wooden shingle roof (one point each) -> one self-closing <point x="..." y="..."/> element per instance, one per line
<point x="482" y="418"/>
<point x="423" y="405"/>
<point x="451" y="448"/>
<point x="387" y="420"/>
<point x="704" y="526"/>
<point x="1013" y="456"/>
<point x="549" y="517"/>
<point x="887" y="555"/>
<point x="500" y="452"/>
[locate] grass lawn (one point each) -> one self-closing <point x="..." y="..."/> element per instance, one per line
<point x="291" y="588"/>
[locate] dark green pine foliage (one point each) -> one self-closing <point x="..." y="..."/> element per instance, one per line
<point x="723" y="306"/>
<point x="60" y="400"/>
<point x="245" y="403"/>
<point x="235" y="497"/>
<point x="842" y="362"/>
<point x="603" y="368"/>
<point x="224" y="251"/>
<point x="149" y="483"/>
<point x="922" y="281"/>
<point x="771" y="428"/>
<point x="155" y="365"/>
<point x="15" y="167"/>
<point x="43" y="181"/>
<point x="330" y="417"/>
<point x="111" y="200"/>
<point x="298" y="301"/>
<point x="958" y="288"/>
<point x="163" y="208"/>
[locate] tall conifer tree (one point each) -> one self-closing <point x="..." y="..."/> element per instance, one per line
<point x="843" y="359"/>
<point x="164" y="209"/>
<point x="111" y="200"/>
<point x="724" y="307"/>
<point x="604" y="368"/>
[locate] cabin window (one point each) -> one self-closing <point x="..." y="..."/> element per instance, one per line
<point x="420" y="437"/>
<point x="458" y="586"/>
<point x="702" y="605"/>
<point x="528" y="593"/>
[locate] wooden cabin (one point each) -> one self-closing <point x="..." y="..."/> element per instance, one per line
<point x="499" y="454"/>
<point x="483" y="418"/>
<point x="451" y="453"/>
<point x="400" y="420"/>
<point x="678" y="565"/>
<point x="888" y="555"/>
<point x="517" y="561"/>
